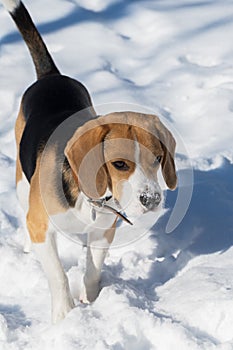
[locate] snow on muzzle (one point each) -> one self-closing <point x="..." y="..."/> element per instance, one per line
<point x="150" y="200"/>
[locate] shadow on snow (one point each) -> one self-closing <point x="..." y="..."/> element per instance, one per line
<point x="206" y="228"/>
<point x="117" y="10"/>
<point x="14" y="316"/>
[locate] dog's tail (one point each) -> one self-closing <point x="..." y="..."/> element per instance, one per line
<point x="42" y="59"/>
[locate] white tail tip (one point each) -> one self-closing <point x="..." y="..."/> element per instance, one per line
<point x="11" y="5"/>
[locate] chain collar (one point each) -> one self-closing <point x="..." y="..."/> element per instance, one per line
<point x="102" y="203"/>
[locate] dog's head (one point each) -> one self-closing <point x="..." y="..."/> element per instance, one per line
<point x="122" y="152"/>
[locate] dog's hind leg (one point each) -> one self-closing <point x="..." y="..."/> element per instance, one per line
<point x="44" y="245"/>
<point x="23" y="189"/>
<point x="61" y="299"/>
<point x="22" y="184"/>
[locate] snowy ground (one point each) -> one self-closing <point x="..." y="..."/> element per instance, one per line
<point x="164" y="290"/>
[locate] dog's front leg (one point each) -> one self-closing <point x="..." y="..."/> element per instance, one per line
<point x="98" y="244"/>
<point x="47" y="255"/>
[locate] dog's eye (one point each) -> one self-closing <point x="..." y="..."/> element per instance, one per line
<point x="120" y="165"/>
<point x="158" y="160"/>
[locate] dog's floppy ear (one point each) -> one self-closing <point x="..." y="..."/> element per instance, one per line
<point x="168" y="144"/>
<point x="84" y="152"/>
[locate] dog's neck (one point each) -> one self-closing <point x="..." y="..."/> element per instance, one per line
<point x="105" y="204"/>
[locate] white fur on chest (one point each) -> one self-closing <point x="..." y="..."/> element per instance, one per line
<point x="80" y="219"/>
<point x="77" y="220"/>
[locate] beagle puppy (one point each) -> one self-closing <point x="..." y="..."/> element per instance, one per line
<point x="80" y="172"/>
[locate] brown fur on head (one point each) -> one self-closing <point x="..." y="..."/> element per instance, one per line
<point x="99" y="143"/>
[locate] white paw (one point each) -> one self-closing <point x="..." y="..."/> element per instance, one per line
<point x="89" y="292"/>
<point x="60" y="310"/>
<point x="27" y="246"/>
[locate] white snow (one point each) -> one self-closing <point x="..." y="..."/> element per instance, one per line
<point x="162" y="290"/>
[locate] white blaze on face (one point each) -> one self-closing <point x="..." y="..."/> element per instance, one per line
<point x="137" y="184"/>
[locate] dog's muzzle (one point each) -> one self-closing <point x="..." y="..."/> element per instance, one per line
<point x="150" y="200"/>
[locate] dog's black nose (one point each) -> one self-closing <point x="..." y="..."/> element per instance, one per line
<point x="150" y="200"/>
